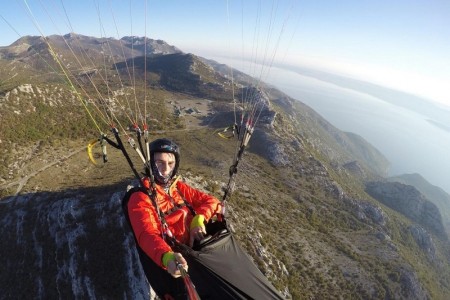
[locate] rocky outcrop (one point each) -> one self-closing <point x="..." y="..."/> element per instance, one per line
<point x="424" y="240"/>
<point x="153" y="46"/>
<point x="278" y="155"/>
<point x="410" y="202"/>
<point x="60" y="244"/>
<point x="368" y="211"/>
<point x="354" y="168"/>
<point x="411" y="287"/>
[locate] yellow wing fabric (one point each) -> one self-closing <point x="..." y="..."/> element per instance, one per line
<point x="227" y="133"/>
<point x="89" y="150"/>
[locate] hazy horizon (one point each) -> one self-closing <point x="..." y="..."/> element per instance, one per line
<point x="412" y="132"/>
<point x="413" y="142"/>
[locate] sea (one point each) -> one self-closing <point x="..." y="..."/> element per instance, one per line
<point x="414" y="138"/>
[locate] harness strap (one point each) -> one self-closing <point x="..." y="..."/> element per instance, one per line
<point x="177" y="206"/>
<point x="188" y="205"/>
<point x="174" y="209"/>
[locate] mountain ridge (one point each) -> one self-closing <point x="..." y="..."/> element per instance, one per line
<point x="434" y="193"/>
<point x="300" y="208"/>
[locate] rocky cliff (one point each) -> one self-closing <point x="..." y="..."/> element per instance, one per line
<point x="410" y="202"/>
<point x="60" y="244"/>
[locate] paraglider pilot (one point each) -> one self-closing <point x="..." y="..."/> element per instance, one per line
<point x="185" y="209"/>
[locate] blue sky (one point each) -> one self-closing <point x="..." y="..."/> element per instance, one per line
<point x="401" y="44"/>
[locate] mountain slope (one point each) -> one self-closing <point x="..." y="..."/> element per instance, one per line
<point x="411" y="203"/>
<point x="300" y="208"/>
<point x="433" y="193"/>
<point x="181" y="73"/>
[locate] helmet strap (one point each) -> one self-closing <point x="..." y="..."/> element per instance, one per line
<point x="160" y="178"/>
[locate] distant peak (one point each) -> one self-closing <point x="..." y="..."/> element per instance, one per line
<point x="70" y="35"/>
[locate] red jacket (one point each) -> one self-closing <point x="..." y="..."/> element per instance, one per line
<point x="146" y="224"/>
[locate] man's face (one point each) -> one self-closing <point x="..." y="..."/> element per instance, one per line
<point x="165" y="162"/>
